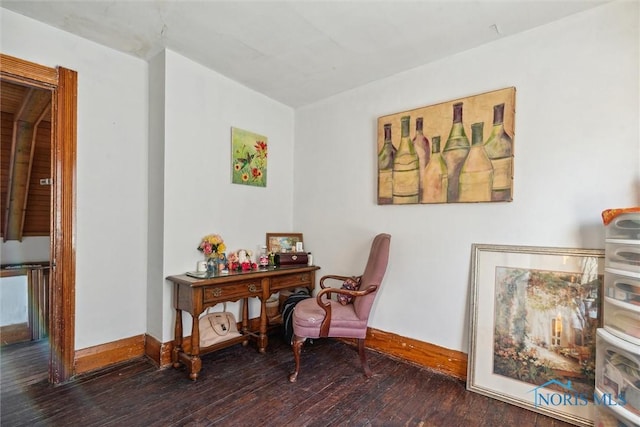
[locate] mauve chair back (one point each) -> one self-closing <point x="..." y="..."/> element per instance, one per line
<point x="373" y="274"/>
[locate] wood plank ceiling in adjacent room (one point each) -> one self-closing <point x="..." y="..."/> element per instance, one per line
<point x="25" y="160"/>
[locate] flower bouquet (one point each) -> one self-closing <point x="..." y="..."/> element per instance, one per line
<point x="213" y="248"/>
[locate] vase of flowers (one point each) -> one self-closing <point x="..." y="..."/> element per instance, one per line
<point x="213" y="248"/>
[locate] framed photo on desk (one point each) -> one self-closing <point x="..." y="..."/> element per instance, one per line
<point x="284" y="242"/>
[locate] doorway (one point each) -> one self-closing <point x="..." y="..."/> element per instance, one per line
<point x="62" y="83"/>
<point x="25" y="196"/>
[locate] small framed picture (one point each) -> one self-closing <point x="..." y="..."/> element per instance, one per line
<point x="284" y="242"/>
<point x="249" y="158"/>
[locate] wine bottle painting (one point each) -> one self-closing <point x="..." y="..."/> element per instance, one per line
<point x="471" y="162"/>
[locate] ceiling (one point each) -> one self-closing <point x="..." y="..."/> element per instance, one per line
<point x="298" y="52"/>
<point x="13" y="99"/>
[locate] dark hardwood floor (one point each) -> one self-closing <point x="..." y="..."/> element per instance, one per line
<point x="240" y="387"/>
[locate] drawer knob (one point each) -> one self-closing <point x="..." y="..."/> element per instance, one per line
<point x="253" y="288"/>
<point x="216" y="292"/>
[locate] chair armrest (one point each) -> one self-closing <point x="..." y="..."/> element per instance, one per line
<point x="332" y="277"/>
<point x="326" y="305"/>
<point x="358" y="293"/>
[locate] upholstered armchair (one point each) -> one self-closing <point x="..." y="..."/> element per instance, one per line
<point x="322" y="316"/>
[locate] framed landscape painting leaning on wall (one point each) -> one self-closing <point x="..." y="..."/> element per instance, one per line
<point x="534" y="316"/>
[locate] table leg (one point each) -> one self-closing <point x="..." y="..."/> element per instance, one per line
<point x="245" y="321"/>
<point x="262" y="338"/>
<point x="177" y="339"/>
<point x="196" y="363"/>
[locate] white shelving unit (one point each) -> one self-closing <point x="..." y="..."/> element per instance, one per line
<point x="618" y="342"/>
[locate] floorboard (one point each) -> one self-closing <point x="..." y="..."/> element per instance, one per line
<point x="239" y="386"/>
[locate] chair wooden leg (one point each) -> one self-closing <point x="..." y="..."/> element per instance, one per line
<point x="296" y="346"/>
<point x="363" y="358"/>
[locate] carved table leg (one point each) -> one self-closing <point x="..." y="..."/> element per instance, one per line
<point x="196" y="366"/>
<point x="177" y="340"/>
<point x="196" y="363"/>
<point x="245" y="321"/>
<point x="262" y="338"/>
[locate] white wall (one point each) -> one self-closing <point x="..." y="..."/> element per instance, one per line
<point x="13" y="300"/>
<point x="155" y="224"/>
<point x="201" y="106"/>
<point x="577" y="152"/>
<point x="111" y="209"/>
<point x="30" y="249"/>
<point x="13" y="290"/>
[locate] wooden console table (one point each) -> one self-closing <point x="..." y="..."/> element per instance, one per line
<point x="195" y="295"/>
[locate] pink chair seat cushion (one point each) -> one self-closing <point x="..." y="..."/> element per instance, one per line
<point x="308" y="316"/>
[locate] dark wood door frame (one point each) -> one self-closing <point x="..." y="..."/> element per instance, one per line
<point x="63" y="84"/>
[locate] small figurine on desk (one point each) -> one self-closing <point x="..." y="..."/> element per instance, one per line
<point x="241" y="261"/>
<point x="243" y="256"/>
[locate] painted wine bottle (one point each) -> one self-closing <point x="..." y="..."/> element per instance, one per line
<point x="435" y="180"/>
<point x="385" y="168"/>
<point x="499" y="147"/>
<point x="406" y="175"/>
<point x="455" y="152"/>
<point x="476" y="174"/>
<point x="422" y="147"/>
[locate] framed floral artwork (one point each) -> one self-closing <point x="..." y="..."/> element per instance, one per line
<point x="249" y="158"/>
<point x="534" y="316"/>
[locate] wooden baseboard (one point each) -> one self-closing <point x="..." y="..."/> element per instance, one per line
<point x="101" y="356"/>
<point x="158" y="352"/>
<point x="11" y="334"/>
<point x="450" y="362"/>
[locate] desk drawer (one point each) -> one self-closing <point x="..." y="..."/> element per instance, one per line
<point x="244" y="289"/>
<point x="291" y="281"/>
